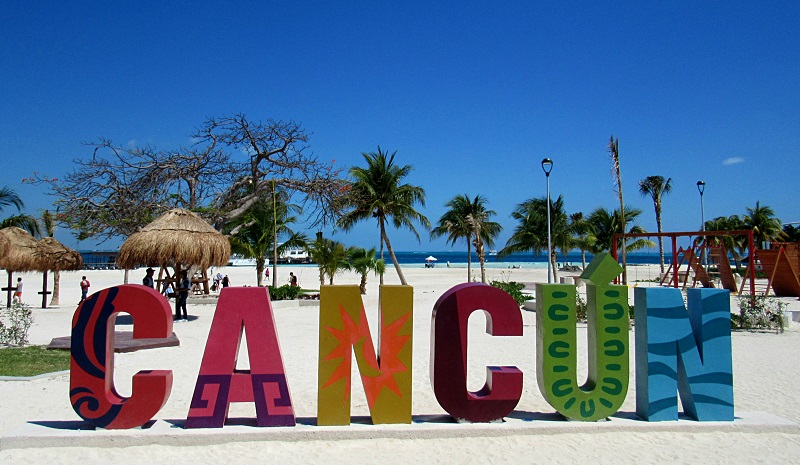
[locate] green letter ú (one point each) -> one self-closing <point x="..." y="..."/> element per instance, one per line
<point x="556" y="350"/>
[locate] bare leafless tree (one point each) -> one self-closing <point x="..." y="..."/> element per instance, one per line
<point x="233" y="163"/>
<point x="119" y="190"/>
<point x="273" y="154"/>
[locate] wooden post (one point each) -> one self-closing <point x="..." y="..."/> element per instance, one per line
<point x="675" y="260"/>
<point x="9" y="289"/>
<point x="44" y="289"/>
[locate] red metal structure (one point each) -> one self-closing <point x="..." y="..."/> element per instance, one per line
<point x="675" y="235"/>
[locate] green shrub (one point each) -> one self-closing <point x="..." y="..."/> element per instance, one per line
<point x="285" y="292"/>
<point x="20" y="319"/>
<point x="581" y="307"/>
<point x="759" y="312"/>
<point x="760" y="274"/>
<point x="513" y="289"/>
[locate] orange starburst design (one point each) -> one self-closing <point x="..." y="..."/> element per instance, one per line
<point x="374" y="376"/>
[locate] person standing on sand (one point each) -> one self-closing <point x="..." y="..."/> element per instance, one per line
<point x="84" y="288"/>
<point x="18" y="291"/>
<point x="148" y="278"/>
<point x="225" y="281"/>
<point x="183" y="295"/>
<point x="292" y="279"/>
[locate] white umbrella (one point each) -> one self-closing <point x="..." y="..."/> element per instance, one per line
<point x="430" y="259"/>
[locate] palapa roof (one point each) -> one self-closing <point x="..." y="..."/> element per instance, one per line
<point x="177" y="236"/>
<point x="21" y="252"/>
<point x="57" y="256"/>
<point x="3" y="246"/>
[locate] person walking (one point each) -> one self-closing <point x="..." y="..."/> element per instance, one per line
<point x="183" y="295"/>
<point x="84" y="288"/>
<point x="18" y="291"/>
<point x="148" y="278"/>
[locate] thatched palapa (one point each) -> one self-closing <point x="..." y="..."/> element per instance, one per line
<point x="176" y="237"/>
<point x="3" y="246"/>
<point x="21" y="254"/>
<point x="58" y="257"/>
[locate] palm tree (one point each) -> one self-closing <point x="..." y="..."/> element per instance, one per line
<point x="530" y="234"/>
<point x="48" y="221"/>
<point x="453" y="224"/>
<point x="330" y="257"/>
<point x="605" y="224"/>
<point x="655" y="187"/>
<point x="792" y="233"/>
<point x="362" y="262"/>
<point x="736" y="245"/>
<point x="8" y="197"/>
<point x="613" y="149"/>
<point x="378" y="192"/>
<point x="258" y="229"/>
<point x="583" y="234"/>
<point x="483" y="230"/>
<point x="763" y="223"/>
<point x="469" y="219"/>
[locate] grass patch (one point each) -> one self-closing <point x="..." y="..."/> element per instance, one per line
<point x="32" y="361"/>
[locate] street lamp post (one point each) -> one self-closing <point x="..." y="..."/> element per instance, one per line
<point x="701" y="186"/>
<point x="547" y="167"/>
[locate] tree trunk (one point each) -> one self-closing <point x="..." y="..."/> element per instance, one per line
<point x="391" y="255"/>
<point x="260" y="271"/>
<point x="380" y="243"/>
<point x="469" y="259"/>
<point x="583" y="259"/>
<point x="624" y="241"/>
<point x="56" y="287"/>
<point x="125" y="277"/>
<point x="481" y="257"/>
<point x="274" y="239"/>
<point x="614" y="147"/>
<point x="660" y="239"/>
<point x="553" y="258"/>
<point x="363" y="285"/>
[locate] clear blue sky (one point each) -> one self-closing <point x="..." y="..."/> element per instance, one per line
<point x="472" y="94"/>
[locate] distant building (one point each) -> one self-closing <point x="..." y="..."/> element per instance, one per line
<point x="99" y="259"/>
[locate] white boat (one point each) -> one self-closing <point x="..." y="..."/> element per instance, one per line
<point x="238" y="260"/>
<point x="295" y="255"/>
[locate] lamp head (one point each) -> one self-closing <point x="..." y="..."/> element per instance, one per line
<point x="701" y="186"/>
<point x="547" y="166"/>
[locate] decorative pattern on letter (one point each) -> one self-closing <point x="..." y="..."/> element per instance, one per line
<point x="219" y="382"/>
<point x="684" y="353"/>
<point x="92" y="391"/>
<point x="343" y="330"/>
<point x="556" y="344"/>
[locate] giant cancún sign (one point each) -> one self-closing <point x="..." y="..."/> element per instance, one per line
<point x="680" y="351"/>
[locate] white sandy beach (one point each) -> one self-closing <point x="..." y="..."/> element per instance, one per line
<point x="766" y="378"/>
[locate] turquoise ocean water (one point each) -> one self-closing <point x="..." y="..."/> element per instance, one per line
<point x="527" y="260"/>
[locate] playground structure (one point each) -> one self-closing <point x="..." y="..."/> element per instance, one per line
<point x="693" y="257"/>
<point x="781" y="263"/>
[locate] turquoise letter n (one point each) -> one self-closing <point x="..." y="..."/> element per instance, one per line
<point x="683" y="353"/>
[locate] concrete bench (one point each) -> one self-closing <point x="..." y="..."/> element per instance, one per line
<point x="790" y="316"/>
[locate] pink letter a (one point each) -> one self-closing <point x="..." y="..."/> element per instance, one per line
<point x="219" y="383"/>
